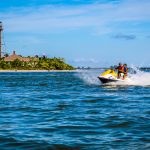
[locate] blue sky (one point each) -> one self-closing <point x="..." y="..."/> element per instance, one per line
<point x="85" y="32"/>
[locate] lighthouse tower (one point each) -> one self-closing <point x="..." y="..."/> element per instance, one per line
<point x="1" y="29"/>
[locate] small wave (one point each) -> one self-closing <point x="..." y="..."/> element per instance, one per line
<point x="118" y="125"/>
<point x="141" y="78"/>
<point x="89" y="77"/>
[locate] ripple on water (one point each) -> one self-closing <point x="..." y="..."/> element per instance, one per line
<point x="61" y="111"/>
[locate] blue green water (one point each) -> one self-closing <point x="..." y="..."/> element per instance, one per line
<point x="72" y="111"/>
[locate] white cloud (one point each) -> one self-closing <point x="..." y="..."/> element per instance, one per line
<point x="89" y="60"/>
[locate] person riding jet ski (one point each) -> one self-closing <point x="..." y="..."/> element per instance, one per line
<point x="125" y="71"/>
<point x="120" y="69"/>
<point x="110" y="75"/>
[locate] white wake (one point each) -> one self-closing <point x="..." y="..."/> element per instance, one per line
<point x="138" y="78"/>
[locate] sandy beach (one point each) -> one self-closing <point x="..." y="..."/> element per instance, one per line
<point x="38" y="70"/>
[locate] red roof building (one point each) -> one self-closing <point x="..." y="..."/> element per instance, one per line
<point x="14" y="56"/>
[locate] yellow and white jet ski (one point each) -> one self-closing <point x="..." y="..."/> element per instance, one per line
<point x="111" y="76"/>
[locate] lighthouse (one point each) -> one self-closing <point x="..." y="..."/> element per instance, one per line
<point x="1" y="29"/>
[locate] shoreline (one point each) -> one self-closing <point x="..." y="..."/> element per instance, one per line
<point x="37" y="71"/>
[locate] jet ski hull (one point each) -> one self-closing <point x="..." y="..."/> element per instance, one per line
<point x="106" y="80"/>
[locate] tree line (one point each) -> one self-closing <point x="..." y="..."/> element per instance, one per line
<point x="38" y="64"/>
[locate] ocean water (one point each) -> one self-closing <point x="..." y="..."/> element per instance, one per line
<point x="73" y="111"/>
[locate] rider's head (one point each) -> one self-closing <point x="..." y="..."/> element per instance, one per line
<point x="120" y="64"/>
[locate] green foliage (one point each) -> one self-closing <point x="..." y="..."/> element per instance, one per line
<point x="40" y="64"/>
<point x="17" y="64"/>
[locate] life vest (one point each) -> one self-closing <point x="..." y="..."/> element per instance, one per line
<point x="120" y="68"/>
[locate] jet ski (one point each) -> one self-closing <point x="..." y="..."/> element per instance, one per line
<point x="111" y="76"/>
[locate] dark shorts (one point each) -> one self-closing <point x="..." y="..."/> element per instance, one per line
<point x="120" y="72"/>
